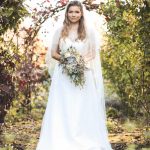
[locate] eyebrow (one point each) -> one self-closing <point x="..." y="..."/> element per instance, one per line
<point x="74" y="11"/>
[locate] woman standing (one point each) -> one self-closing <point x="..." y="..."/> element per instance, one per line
<point x="75" y="117"/>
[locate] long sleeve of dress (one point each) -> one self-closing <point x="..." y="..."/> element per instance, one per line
<point x="91" y="52"/>
<point x="55" y="41"/>
<point x="53" y="46"/>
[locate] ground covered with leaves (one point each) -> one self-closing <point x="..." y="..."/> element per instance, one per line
<point x="24" y="135"/>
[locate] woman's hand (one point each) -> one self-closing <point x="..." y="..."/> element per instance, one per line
<point x="56" y="55"/>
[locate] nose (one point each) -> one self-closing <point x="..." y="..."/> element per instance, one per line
<point x="73" y="14"/>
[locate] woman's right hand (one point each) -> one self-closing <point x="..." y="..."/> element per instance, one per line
<point x="56" y="55"/>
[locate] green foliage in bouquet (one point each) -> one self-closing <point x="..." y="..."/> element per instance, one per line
<point x="73" y="65"/>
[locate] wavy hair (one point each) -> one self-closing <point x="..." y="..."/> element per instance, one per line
<point x="66" y="24"/>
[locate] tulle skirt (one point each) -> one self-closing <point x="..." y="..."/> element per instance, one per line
<point x="72" y="120"/>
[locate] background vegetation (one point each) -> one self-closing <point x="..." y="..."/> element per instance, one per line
<point x="24" y="78"/>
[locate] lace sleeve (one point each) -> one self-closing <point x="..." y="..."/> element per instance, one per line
<point x="53" y="46"/>
<point x="93" y="42"/>
<point x="55" y="40"/>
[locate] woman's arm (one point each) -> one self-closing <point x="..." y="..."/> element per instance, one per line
<point x="89" y="56"/>
<point x="56" y="55"/>
<point x="92" y="47"/>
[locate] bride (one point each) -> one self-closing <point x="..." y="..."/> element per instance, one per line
<point x="75" y="117"/>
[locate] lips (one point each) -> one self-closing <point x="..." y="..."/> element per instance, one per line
<point x="74" y="18"/>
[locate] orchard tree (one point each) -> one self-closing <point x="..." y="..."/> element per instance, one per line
<point x="126" y="54"/>
<point x="11" y="14"/>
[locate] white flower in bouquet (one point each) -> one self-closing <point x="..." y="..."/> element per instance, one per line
<point x="73" y="65"/>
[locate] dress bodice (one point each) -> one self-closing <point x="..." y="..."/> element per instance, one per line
<point x="81" y="46"/>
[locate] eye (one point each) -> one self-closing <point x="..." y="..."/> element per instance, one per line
<point x="70" y="11"/>
<point x="77" y="12"/>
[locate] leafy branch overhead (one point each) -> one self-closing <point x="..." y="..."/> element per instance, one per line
<point x="11" y="14"/>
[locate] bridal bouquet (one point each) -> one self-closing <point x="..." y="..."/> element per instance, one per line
<point x="73" y="65"/>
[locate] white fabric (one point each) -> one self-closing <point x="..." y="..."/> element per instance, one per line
<point x="74" y="117"/>
<point x="94" y="28"/>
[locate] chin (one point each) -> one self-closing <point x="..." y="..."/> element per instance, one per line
<point x="74" y="21"/>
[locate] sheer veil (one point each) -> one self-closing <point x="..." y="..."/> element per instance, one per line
<point x="96" y="41"/>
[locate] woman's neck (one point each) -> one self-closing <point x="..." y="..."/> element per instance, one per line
<point x="74" y="26"/>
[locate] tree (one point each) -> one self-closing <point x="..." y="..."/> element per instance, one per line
<point x="126" y="55"/>
<point x="11" y="13"/>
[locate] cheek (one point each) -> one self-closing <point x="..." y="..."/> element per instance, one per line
<point x="79" y="15"/>
<point x="68" y="15"/>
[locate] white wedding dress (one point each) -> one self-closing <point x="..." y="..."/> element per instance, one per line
<point x="73" y="119"/>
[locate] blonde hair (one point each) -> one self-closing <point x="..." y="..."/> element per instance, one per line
<point x="66" y="24"/>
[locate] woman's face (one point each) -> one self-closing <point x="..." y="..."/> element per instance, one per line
<point x="74" y="14"/>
